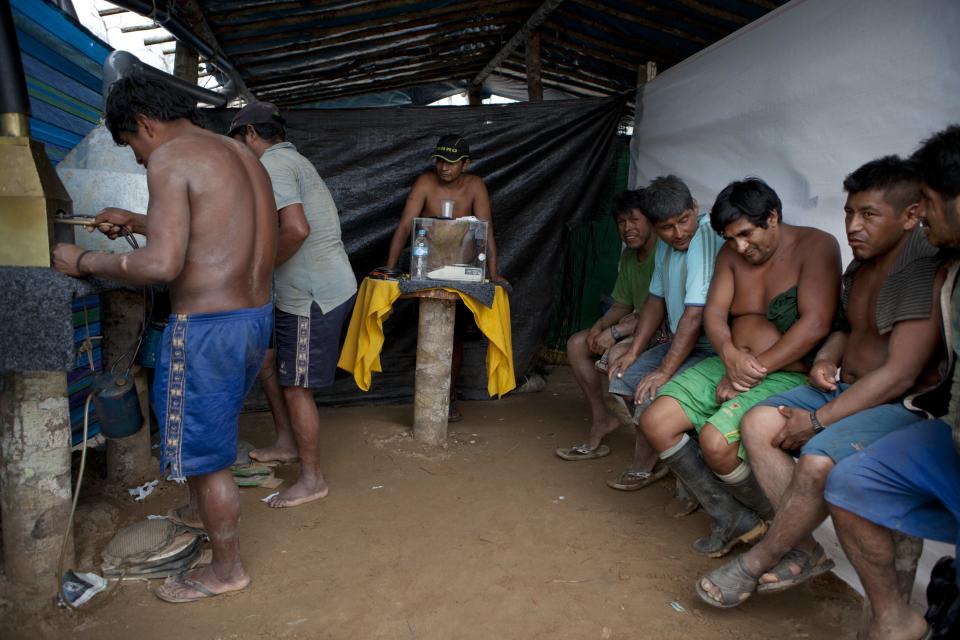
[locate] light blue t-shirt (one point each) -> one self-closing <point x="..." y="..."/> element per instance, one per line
<point x="682" y="278"/>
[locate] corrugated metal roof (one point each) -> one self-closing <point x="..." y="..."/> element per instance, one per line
<point x="296" y="53"/>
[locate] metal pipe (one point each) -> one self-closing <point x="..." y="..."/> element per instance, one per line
<point x="121" y="63"/>
<point x="158" y="12"/>
<point x="13" y="84"/>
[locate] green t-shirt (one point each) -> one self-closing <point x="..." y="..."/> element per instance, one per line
<point x="633" y="280"/>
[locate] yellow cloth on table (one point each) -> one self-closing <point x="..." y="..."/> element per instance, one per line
<point x="364" y="341"/>
<point x="361" y="348"/>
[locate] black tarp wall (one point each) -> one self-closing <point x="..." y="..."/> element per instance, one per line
<point x="543" y="164"/>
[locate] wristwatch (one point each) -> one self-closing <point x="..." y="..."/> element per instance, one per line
<point x="616" y="334"/>
<point x="817" y="427"/>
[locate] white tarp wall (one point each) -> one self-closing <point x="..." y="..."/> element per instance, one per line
<point x="801" y="98"/>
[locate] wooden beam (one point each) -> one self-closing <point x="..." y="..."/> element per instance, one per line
<point x="538" y="18"/>
<point x="158" y="40"/>
<point x="475" y="95"/>
<point x="534" y="86"/>
<point x="185" y="62"/>
<point x="140" y="27"/>
<point x="113" y="11"/>
<point x="190" y="13"/>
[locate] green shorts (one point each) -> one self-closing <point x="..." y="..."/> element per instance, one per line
<point x="696" y="391"/>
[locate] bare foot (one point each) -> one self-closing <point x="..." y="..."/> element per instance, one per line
<point x="301" y="492"/>
<point x="277" y="452"/>
<point x="185" y="516"/>
<point x="899" y="623"/>
<point x="200" y="584"/>
<point x="600" y="430"/>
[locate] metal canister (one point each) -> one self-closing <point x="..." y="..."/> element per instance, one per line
<point x="150" y="348"/>
<point x="117" y="405"/>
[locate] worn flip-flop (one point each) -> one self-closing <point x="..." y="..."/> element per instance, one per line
<point x="631" y="480"/>
<point x="168" y="590"/>
<point x="735" y="583"/>
<point x="811" y="565"/>
<point x="583" y="452"/>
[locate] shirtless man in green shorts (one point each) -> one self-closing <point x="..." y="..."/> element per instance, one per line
<point x="774" y="293"/>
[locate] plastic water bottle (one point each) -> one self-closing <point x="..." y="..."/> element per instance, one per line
<point x="421" y="248"/>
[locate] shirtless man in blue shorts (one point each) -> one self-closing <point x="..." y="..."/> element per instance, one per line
<point x="212" y="227"/>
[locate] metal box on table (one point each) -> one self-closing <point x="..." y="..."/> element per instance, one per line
<point x="457" y="248"/>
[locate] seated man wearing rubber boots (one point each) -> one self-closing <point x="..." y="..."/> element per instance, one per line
<point x="774" y="293"/>
<point x="683" y="265"/>
<point x="889" y="346"/>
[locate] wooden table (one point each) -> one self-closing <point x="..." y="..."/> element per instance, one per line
<point x="434" y="359"/>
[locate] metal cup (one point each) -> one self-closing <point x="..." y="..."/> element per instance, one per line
<point x="446" y="208"/>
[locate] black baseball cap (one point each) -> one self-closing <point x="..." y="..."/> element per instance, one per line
<point x="256" y="113"/>
<point x="452" y="148"/>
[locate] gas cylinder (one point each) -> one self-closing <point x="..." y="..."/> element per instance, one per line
<point x="117" y="404"/>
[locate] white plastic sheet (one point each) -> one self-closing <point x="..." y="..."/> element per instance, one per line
<point x="801" y="98"/>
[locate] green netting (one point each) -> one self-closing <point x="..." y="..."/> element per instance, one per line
<point x="591" y="255"/>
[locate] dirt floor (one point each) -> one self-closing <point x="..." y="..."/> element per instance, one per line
<point x="491" y="537"/>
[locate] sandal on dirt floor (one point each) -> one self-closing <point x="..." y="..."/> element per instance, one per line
<point x="735" y="583"/>
<point x="172" y="590"/>
<point x="583" y="452"/>
<point x="631" y="480"/>
<point x="811" y="565"/>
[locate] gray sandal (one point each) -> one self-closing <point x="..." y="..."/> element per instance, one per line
<point x="735" y="583"/>
<point x="811" y="565"/>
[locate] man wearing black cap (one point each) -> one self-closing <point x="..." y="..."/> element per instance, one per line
<point x="448" y="181"/>
<point x="314" y="287"/>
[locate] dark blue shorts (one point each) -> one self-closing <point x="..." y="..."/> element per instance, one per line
<point x="851" y="434"/>
<point x="207" y="364"/>
<point x="308" y="348"/>
<point x="908" y="482"/>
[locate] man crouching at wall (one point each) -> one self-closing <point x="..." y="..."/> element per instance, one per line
<point x="212" y="231"/>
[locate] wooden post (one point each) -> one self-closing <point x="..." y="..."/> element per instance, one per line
<point x="645" y="74"/>
<point x="34" y="477"/>
<point x="475" y="95"/>
<point x="128" y="459"/>
<point x="185" y="62"/>
<point x="534" y="85"/>
<point x="434" y="357"/>
<point x="906" y="555"/>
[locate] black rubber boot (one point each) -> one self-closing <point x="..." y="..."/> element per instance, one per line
<point x="749" y="494"/>
<point x="732" y="522"/>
